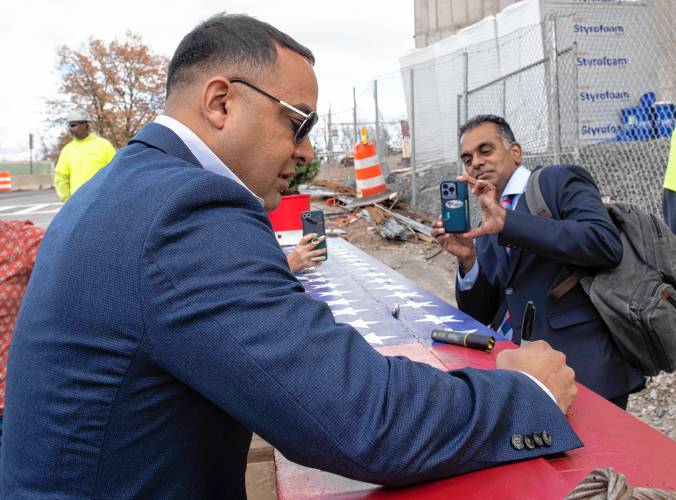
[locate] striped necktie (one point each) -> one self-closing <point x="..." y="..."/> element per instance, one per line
<point x="506" y="203"/>
<point x="505" y="327"/>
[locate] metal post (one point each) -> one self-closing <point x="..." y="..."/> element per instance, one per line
<point x="576" y="84"/>
<point x="377" y="137"/>
<point x="465" y="85"/>
<point x="460" y="121"/>
<point x="30" y="147"/>
<point x="554" y="111"/>
<point x="504" y="82"/>
<point x="414" y="190"/>
<point x="354" y="115"/>
<point x="329" y="140"/>
<point x="326" y="140"/>
<point x="381" y="148"/>
<point x="375" y="100"/>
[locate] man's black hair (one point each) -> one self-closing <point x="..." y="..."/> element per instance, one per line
<point x="501" y="125"/>
<point x="236" y="41"/>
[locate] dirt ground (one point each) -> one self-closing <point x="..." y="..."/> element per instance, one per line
<point x="434" y="269"/>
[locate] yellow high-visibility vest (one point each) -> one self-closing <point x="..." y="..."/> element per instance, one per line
<point x="79" y="161"/>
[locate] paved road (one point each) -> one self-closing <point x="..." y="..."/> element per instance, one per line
<point x="38" y="206"/>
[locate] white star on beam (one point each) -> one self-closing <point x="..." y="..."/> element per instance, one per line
<point x="333" y="293"/>
<point x="372" y="338"/>
<point x="360" y="323"/>
<point x="379" y="280"/>
<point x="418" y="305"/>
<point x="318" y="280"/>
<point x="404" y="295"/>
<point x="376" y="274"/>
<point x="328" y="285"/>
<point x="340" y="302"/>
<point x="438" y="320"/>
<point x="349" y="311"/>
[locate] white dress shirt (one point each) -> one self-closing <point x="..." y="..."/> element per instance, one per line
<point x="201" y="151"/>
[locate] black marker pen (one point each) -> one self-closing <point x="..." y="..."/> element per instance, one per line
<point x="527" y="323"/>
<point x="465" y="339"/>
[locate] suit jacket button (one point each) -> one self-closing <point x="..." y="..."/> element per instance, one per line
<point x="537" y="437"/>
<point x="546" y="438"/>
<point x="509" y="291"/>
<point x="517" y="442"/>
<point x="528" y="441"/>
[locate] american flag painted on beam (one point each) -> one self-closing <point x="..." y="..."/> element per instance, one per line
<point x="363" y="292"/>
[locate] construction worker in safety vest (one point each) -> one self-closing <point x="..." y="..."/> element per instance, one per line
<point x="669" y="195"/>
<point x="82" y="157"/>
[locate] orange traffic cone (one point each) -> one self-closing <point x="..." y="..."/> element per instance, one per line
<point x="367" y="171"/>
<point x="5" y="181"/>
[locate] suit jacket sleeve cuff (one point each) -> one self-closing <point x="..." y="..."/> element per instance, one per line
<point x="467" y="282"/>
<point x="542" y="386"/>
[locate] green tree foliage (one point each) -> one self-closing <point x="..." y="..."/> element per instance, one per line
<point x="121" y="84"/>
<point x="304" y="175"/>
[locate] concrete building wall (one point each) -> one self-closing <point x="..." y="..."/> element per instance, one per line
<point x="437" y="19"/>
<point x="665" y="31"/>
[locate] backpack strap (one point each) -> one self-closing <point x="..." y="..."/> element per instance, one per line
<point x="569" y="276"/>
<point x="534" y="199"/>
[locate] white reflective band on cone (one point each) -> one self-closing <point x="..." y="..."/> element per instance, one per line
<point x="366" y="162"/>
<point x="372" y="182"/>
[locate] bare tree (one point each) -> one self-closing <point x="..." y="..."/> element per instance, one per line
<point x="120" y="83"/>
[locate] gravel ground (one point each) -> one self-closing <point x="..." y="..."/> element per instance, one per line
<point x="656" y="404"/>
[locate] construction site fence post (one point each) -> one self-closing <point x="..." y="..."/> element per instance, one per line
<point x="414" y="187"/>
<point x="354" y="115"/>
<point x="554" y="103"/>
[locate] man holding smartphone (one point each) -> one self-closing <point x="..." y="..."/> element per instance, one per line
<point x="514" y="257"/>
<point x="162" y="324"/>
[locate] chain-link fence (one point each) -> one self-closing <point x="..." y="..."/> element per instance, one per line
<point x="379" y="106"/>
<point x="592" y="83"/>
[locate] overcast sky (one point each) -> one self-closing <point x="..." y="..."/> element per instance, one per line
<point x="353" y="41"/>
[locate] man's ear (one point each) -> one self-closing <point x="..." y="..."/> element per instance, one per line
<point x="516" y="152"/>
<point x="216" y="101"/>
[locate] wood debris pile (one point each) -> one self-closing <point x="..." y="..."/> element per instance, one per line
<point x="347" y="208"/>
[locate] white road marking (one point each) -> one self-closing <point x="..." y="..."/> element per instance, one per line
<point x="32" y="209"/>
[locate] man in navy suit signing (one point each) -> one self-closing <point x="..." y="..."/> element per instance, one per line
<point x="163" y="325"/>
<point x="518" y="256"/>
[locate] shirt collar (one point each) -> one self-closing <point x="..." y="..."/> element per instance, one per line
<point x="516" y="184"/>
<point x="205" y="156"/>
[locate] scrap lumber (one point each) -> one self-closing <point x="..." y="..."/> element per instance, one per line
<point x="418" y="227"/>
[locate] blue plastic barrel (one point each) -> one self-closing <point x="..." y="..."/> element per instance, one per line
<point x="645" y="125"/>
<point x="665" y="118"/>
<point x="628" y="121"/>
<point x="637" y="123"/>
<point x="647" y="100"/>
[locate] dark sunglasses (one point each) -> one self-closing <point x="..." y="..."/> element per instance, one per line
<point x="310" y="119"/>
<point x="75" y="124"/>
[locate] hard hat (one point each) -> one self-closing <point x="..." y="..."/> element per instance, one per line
<point x="78" y="115"/>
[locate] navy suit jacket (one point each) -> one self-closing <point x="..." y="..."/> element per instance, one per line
<point x="162" y="326"/>
<point x="579" y="233"/>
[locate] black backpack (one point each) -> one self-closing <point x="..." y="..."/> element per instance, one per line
<point x="636" y="299"/>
